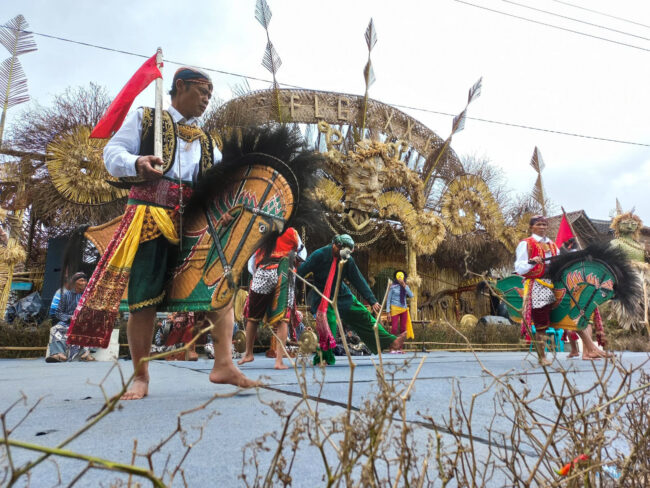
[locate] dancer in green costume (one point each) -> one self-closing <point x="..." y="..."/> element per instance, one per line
<point x="323" y="263"/>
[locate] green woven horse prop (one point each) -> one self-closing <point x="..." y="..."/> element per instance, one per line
<point x="582" y="281"/>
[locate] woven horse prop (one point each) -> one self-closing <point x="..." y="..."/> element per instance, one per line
<point x="261" y="182"/>
<point x="582" y="280"/>
<point x="213" y="255"/>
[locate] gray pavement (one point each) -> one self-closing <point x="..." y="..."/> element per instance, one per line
<point x="221" y="430"/>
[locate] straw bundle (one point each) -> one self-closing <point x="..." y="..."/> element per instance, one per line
<point x="76" y="167"/>
<point x="12" y="254"/>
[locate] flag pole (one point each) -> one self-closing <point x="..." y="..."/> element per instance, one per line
<point x="157" y="141"/>
<point x="572" y="229"/>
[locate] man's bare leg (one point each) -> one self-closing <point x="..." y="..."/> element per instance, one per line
<point x="224" y="371"/>
<point x="575" y="352"/>
<point x="251" y="332"/>
<point x="540" y="345"/>
<point x="139" y="331"/>
<point x="281" y="341"/>
<point x="589" y="350"/>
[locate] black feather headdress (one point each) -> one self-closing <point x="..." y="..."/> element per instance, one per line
<point x="279" y="146"/>
<point x="628" y="287"/>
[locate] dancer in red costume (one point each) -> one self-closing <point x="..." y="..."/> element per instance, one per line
<point x="531" y="262"/>
<point x="272" y="292"/>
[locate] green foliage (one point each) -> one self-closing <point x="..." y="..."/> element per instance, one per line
<point x="20" y="334"/>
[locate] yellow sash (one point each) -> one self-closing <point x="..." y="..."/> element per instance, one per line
<point x="125" y="253"/>
<point x="395" y="310"/>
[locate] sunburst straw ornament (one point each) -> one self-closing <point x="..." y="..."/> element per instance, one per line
<point x="76" y="167"/>
<point x="468" y="198"/>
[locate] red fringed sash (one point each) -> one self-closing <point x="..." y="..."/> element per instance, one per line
<point x="96" y="312"/>
<point x="325" y="338"/>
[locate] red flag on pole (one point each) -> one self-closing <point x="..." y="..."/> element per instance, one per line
<point x="564" y="232"/>
<point x="116" y="112"/>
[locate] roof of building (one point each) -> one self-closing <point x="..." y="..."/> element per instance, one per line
<point x="590" y="230"/>
<point x="582" y="226"/>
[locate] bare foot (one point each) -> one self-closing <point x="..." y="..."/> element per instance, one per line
<point x="573" y="355"/>
<point x="280" y="365"/>
<point x="139" y="389"/>
<point x="605" y="354"/>
<point x="590" y="356"/>
<point x="545" y="362"/>
<point x="398" y="343"/>
<point x="230" y="375"/>
<point x="248" y="358"/>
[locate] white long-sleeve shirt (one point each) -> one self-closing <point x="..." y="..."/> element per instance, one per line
<point x="521" y="260"/>
<point x="123" y="149"/>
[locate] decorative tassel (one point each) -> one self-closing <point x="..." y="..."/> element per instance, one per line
<point x="325" y="339"/>
<point x="598" y="325"/>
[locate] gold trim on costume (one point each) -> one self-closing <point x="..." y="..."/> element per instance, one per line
<point x="169" y="141"/>
<point x="207" y="152"/>
<point x="189" y="133"/>
<point x="147" y="303"/>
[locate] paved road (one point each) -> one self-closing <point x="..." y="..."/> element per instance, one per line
<point x="220" y="431"/>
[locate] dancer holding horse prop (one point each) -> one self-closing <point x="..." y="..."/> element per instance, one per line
<point x="564" y="291"/>
<point x="271" y="297"/>
<point x="155" y="259"/>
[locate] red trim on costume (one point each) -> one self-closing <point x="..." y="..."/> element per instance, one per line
<point x="286" y="243"/>
<point x="536" y="249"/>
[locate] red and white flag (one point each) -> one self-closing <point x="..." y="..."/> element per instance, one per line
<point x="116" y="112"/>
<point x="564" y="232"/>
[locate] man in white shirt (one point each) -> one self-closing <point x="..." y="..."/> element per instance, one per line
<point x="530" y="262"/>
<point x="152" y="216"/>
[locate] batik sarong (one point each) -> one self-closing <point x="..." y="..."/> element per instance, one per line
<point x="148" y="215"/>
<point x="272" y="293"/>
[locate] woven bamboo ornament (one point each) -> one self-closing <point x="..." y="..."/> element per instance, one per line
<point x="76" y="167"/>
<point x="467" y="201"/>
<point x="424" y="230"/>
<point x="511" y="235"/>
<point x="616" y="222"/>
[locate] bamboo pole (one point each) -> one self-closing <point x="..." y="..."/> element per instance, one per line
<point x="412" y="258"/>
<point x="157" y="142"/>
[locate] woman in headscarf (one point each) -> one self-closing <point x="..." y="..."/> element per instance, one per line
<point x="397" y="307"/>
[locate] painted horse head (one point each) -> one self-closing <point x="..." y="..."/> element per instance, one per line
<point x="591" y="277"/>
<point x="263" y="184"/>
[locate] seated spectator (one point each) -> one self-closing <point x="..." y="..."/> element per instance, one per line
<point x="299" y="327"/>
<point x="57" y="298"/>
<point x="59" y="349"/>
<point x="177" y="331"/>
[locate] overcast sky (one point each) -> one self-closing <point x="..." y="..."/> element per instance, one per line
<point x="428" y="54"/>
